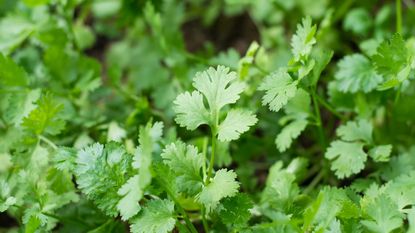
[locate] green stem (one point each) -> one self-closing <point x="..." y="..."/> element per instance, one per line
<point x="212" y="157"/>
<point x="204" y="221"/>
<point x="314" y="182"/>
<point x="318" y="118"/>
<point x="329" y="107"/>
<point x="179" y="207"/>
<point x="49" y="142"/>
<point x="398" y="16"/>
<point x="397" y="95"/>
<point x="204" y="152"/>
<point x="342" y="10"/>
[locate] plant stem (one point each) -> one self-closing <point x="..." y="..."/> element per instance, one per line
<point x="204" y="221"/>
<point x="397" y="95"/>
<point x="325" y="104"/>
<point x="179" y="207"/>
<point x="204" y="152"/>
<point x="212" y="157"/>
<point x="318" y="117"/>
<point x="398" y="16"/>
<point x="314" y="182"/>
<point x="49" y="142"/>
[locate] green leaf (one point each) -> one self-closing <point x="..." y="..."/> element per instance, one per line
<point x="100" y="172"/>
<point x="223" y="185"/>
<point x="358" y="21"/>
<point x="12" y="75"/>
<point x="237" y="121"/>
<point x="185" y="161"/>
<point x="290" y="132"/>
<point x="393" y="61"/>
<point x="14" y="30"/>
<point x="191" y="111"/>
<point x="383" y="215"/>
<point x="64" y="158"/>
<point x="360" y="130"/>
<point x="348" y="158"/>
<point x="380" y="153"/>
<point x="279" y="88"/>
<point x="303" y="40"/>
<point x="280" y="189"/>
<point x="235" y="210"/>
<point x="45" y="118"/>
<point x="219" y="86"/>
<point x="148" y="137"/>
<point x="131" y="193"/>
<point x="6" y="200"/>
<point x="157" y="217"/>
<point x="356" y="73"/>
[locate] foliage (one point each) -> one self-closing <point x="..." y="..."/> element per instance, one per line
<point x="159" y="116"/>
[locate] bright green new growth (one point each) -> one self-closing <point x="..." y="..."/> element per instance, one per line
<point x="303" y="40"/>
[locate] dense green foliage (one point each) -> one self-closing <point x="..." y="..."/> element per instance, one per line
<point x="156" y="116"/>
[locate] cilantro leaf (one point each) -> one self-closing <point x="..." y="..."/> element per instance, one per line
<point x="279" y="87"/>
<point x="11" y="74"/>
<point x="393" y="61"/>
<point x="45" y="118"/>
<point x="157" y="217"/>
<point x="100" y="172"/>
<point x="281" y="188"/>
<point x="382" y="215"/>
<point x="185" y="161"/>
<point x="191" y="111"/>
<point x="348" y="158"/>
<point x="236" y="122"/>
<point x="219" y="86"/>
<point x="6" y="200"/>
<point x="355" y="131"/>
<point x="235" y="210"/>
<point x="131" y="193"/>
<point x="297" y="110"/>
<point x="222" y="185"/>
<point x="303" y="40"/>
<point x="380" y="153"/>
<point x="356" y="73"/>
<point x="290" y="132"/>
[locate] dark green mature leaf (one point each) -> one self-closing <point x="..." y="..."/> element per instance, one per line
<point x="100" y="172"/>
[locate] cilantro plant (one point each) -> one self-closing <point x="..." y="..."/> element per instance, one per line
<point x="160" y="116"/>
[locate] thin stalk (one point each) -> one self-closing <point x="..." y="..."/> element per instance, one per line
<point x="179" y="207"/>
<point x="342" y="10"/>
<point x="318" y="118"/>
<point x="182" y="227"/>
<point x="49" y="142"/>
<point x="212" y="157"/>
<point x="204" y="152"/>
<point x="398" y="16"/>
<point x="204" y="221"/>
<point x="314" y="182"/>
<point x="397" y="95"/>
<point x="330" y="108"/>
